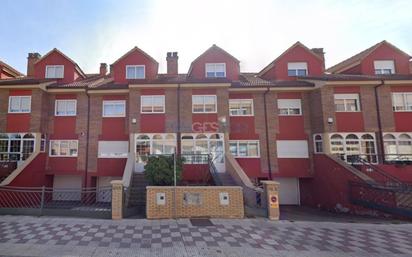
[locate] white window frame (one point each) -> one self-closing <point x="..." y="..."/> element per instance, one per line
<point x="296" y="68"/>
<point x="152" y="106"/>
<point x="20" y="97"/>
<point x="55" y="75"/>
<point x="237" y="142"/>
<point x="381" y="70"/>
<point x="112" y="155"/>
<point x="136" y="66"/>
<point x="345" y="97"/>
<point x="214" y="96"/>
<point x="289" y="113"/>
<point x="59" y="152"/>
<point x="241" y="102"/>
<point x="407" y="106"/>
<point x="213" y="67"/>
<point x="65" y="101"/>
<point x="346" y="149"/>
<point x="114" y="102"/>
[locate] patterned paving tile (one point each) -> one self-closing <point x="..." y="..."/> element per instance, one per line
<point x="264" y="235"/>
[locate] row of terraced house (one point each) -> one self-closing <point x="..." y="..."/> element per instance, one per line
<point x="294" y="121"/>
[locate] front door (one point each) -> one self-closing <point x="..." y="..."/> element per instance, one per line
<point x="217" y="151"/>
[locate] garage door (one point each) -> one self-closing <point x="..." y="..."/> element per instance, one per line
<point x="289" y="191"/>
<point x="104" y="193"/>
<point x="67" y="188"/>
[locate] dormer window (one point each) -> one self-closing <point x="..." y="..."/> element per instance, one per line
<point x="135" y="72"/>
<point x="384" y="67"/>
<point x="54" y="71"/>
<point x="297" y="69"/>
<point x="215" y="70"/>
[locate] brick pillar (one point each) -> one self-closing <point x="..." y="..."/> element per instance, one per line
<point x="117" y="199"/>
<point x="272" y="198"/>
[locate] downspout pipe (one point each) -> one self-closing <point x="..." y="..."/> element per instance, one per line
<point x="179" y="142"/>
<point x="88" y="138"/>
<point x="267" y="132"/>
<point x="380" y="132"/>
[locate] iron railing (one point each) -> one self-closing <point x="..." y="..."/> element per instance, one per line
<point x="380" y="175"/>
<point x="213" y="171"/>
<point x="389" y="199"/>
<point x="93" y="202"/>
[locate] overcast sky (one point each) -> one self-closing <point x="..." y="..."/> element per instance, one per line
<point x="255" y="32"/>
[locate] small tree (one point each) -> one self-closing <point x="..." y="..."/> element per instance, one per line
<point x="159" y="170"/>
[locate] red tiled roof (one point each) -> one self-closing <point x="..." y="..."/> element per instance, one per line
<point x="10" y="69"/>
<point x="253" y="80"/>
<point x="354" y="60"/>
<point x="23" y="81"/>
<point x="347" y="77"/>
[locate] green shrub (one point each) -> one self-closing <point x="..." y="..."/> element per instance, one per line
<point x="159" y="170"/>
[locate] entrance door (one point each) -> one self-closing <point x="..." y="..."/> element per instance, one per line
<point x="142" y="152"/>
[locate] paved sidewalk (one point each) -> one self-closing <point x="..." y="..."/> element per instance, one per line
<point x="45" y="236"/>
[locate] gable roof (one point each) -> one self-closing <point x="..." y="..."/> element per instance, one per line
<point x="357" y="58"/>
<point x="66" y="57"/>
<point x="213" y="47"/>
<point x="12" y="71"/>
<point x="272" y="64"/>
<point x="138" y="50"/>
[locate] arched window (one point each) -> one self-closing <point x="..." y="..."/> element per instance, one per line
<point x="405" y="145"/>
<point x="215" y="136"/>
<point x="170" y="137"/>
<point x="143" y="137"/>
<point x="336" y="142"/>
<point x="318" y="141"/>
<point x="390" y="146"/>
<point x="142" y="147"/>
<point x="368" y="148"/>
<point x="201" y="144"/>
<point x="352" y="150"/>
<point x="157" y="137"/>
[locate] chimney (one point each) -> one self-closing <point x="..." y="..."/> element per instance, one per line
<point x="103" y="69"/>
<point x="319" y="52"/>
<point x="31" y="59"/>
<point x="172" y="67"/>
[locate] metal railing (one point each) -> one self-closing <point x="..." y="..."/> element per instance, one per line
<point x="213" y="171"/>
<point x="88" y="202"/>
<point x="389" y="199"/>
<point x="380" y="175"/>
<point x="195" y="158"/>
<point x="397" y="159"/>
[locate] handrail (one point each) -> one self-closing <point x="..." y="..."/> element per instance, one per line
<point x="378" y="170"/>
<point x="213" y="172"/>
<point x="128" y="170"/>
<point x="352" y="169"/>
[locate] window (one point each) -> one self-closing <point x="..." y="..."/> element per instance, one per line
<point x="347" y="102"/>
<point x="113" y="149"/>
<point x="289" y="107"/>
<point x="241" y="107"/>
<point x="292" y="148"/>
<point x="152" y="104"/>
<point x="354" y="146"/>
<point x="215" y="70"/>
<point x="114" y="108"/>
<point x="197" y="148"/>
<point x="204" y="103"/>
<point x="297" y="69"/>
<point x="244" y="148"/>
<point x="384" y="67"/>
<point x="65" y="108"/>
<point x="63" y="148"/>
<point x="43" y="143"/>
<point x="54" y="71"/>
<point x="19" y="104"/>
<point x="16" y="147"/>
<point x="402" y="102"/>
<point x="318" y="143"/>
<point x="398" y="148"/>
<point x="135" y="72"/>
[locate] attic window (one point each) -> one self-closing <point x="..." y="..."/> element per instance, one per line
<point x="135" y="72"/>
<point x="384" y="67"/>
<point x="297" y="69"/>
<point x="54" y="71"/>
<point x="215" y="70"/>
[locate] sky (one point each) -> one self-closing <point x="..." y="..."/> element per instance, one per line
<point x="254" y="31"/>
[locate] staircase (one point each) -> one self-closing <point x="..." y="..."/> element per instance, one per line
<point x="226" y="179"/>
<point x="136" y="197"/>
